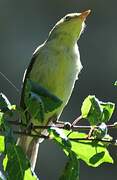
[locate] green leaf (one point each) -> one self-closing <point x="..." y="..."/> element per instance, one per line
<point x="60" y="138"/>
<point x="51" y="102"/>
<point x="12" y="107"/>
<point x="100" y="132"/>
<point x="86" y="106"/>
<point x="115" y="84"/>
<point x="71" y="171"/>
<point x="96" y="111"/>
<point x="2" y="144"/>
<point x="93" y="153"/>
<point x="15" y="162"/>
<point x="5" y="105"/>
<point x="29" y="175"/>
<point x="16" y="165"/>
<point x="4" y="102"/>
<point x="1" y="118"/>
<point x="108" y="109"/>
<point x="21" y="114"/>
<point x="5" y="160"/>
<point x="35" y="106"/>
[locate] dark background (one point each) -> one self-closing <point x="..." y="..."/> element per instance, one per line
<point x="24" y="25"/>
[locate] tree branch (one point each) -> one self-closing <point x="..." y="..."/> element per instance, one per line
<point x="62" y="126"/>
<point x="112" y="142"/>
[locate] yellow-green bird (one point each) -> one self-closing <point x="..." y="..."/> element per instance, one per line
<point x="55" y="66"/>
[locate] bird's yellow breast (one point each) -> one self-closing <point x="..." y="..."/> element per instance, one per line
<point x="57" y="70"/>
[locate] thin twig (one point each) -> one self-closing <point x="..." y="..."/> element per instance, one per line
<point x="61" y="126"/>
<point x="76" y="120"/>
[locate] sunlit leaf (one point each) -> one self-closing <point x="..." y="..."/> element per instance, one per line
<point x="60" y="138"/>
<point x="86" y="106"/>
<point x="2" y="145"/>
<point x="4" y="102"/>
<point x="93" y="153"/>
<point x="115" y="84"/>
<point x="108" y="109"/>
<point x="96" y="111"/>
<point x="29" y="175"/>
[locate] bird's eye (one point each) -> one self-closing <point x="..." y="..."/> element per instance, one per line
<point x="67" y="18"/>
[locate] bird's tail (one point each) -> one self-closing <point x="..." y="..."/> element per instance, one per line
<point x="30" y="146"/>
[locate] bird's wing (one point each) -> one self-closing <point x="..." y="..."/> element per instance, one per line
<point x="26" y="74"/>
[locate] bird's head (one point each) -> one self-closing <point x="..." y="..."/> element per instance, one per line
<point x="70" y="26"/>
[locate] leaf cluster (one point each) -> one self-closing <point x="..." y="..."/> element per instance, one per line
<point x="15" y="163"/>
<point x="91" y="147"/>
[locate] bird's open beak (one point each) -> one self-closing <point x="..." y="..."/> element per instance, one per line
<point x="84" y="14"/>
